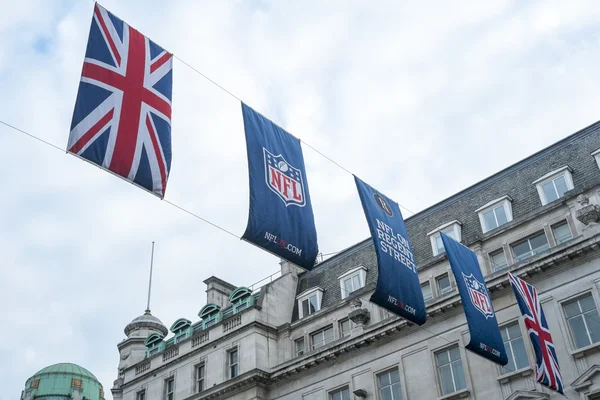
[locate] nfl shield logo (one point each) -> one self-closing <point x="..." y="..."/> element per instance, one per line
<point x="283" y="179"/>
<point x="479" y="296"/>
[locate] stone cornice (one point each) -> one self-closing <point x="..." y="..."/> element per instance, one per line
<point x="255" y="377"/>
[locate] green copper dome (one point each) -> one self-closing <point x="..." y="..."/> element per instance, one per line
<point x="62" y="381"/>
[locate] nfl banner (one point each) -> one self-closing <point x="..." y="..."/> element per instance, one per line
<point x="281" y="218"/>
<point x="486" y="339"/>
<point x="547" y="372"/>
<point x="398" y="289"/>
<point x="122" y="116"/>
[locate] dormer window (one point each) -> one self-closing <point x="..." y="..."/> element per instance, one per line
<point x="241" y="298"/>
<point x="352" y="280"/>
<point x="495" y="213"/>
<point x="181" y="329"/>
<point x="210" y="315"/>
<point x="553" y="185"/>
<point x="452" y="229"/>
<point x="309" y="301"/>
<point x="596" y="155"/>
<point x="154" y="344"/>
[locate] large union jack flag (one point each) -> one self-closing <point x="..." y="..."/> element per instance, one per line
<point x="548" y="372"/>
<point x="122" y="117"/>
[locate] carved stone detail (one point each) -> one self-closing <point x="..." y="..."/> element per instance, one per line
<point x="589" y="214"/>
<point x="359" y="316"/>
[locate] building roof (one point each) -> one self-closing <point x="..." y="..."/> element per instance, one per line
<point x="515" y="181"/>
<point x="59" y="380"/>
<point x="146" y="320"/>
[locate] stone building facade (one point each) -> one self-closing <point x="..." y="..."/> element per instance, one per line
<point x="315" y="335"/>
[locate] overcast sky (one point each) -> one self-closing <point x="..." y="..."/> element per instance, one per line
<point x="419" y="101"/>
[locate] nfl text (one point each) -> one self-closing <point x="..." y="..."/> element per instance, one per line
<point x="282" y="243"/>
<point x="395" y="245"/>
<point x="400" y="304"/>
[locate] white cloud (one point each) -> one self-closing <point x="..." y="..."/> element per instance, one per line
<point x="419" y="100"/>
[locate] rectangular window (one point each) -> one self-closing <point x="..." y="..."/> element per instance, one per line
<point x="388" y="385"/>
<point x="438" y="239"/>
<point x="345" y="327"/>
<point x="555" y="189"/>
<point x="426" y="288"/>
<point x="583" y="320"/>
<point x="299" y="344"/>
<point x="322" y="337"/>
<point x="443" y="284"/>
<point x="515" y="348"/>
<point x="170" y="389"/>
<point x="341" y="394"/>
<point x="352" y="280"/>
<point x="498" y="259"/>
<point x="351" y="284"/>
<point x="310" y="305"/>
<point x="232" y="359"/>
<point x="562" y="233"/>
<point x="141" y="395"/>
<point x="450" y="370"/>
<point x="200" y="372"/>
<point x="531" y="246"/>
<point x="495" y="217"/>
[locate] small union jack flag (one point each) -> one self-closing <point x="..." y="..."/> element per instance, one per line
<point x="122" y="116"/>
<point x="548" y="372"/>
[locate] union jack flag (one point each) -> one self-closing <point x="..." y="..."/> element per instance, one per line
<point x="548" y="372"/>
<point x="122" y="116"/>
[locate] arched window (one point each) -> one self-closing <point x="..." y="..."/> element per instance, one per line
<point x="154" y="344"/>
<point x="181" y="329"/>
<point x="210" y="315"/>
<point x="241" y="298"/>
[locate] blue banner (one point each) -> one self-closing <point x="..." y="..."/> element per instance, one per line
<point x="481" y="318"/>
<point x="281" y="219"/>
<point x="398" y="289"/>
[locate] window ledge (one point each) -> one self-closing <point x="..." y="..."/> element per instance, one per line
<point x="581" y="352"/>
<point x="461" y="394"/>
<point x="523" y="372"/>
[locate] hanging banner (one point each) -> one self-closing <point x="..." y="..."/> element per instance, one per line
<point x="547" y="372"/>
<point x="398" y="289"/>
<point x="281" y="218"/>
<point x="486" y="339"/>
<point x="122" y="116"/>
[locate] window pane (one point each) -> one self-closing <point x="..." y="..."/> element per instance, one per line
<point x="446" y="379"/>
<point x="593" y="324"/>
<point x="426" y="291"/>
<point x="504" y="334"/>
<point x="561" y="185"/>
<point x="587" y="303"/>
<point x="538" y="241"/>
<point x="299" y="345"/>
<point x="384" y="379"/>
<point x="521" y="249"/>
<point x="572" y="309"/>
<point x="386" y="393"/>
<point x="454" y="354"/>
<point x="395" y="376"/>
<point x="444" y="284"/>
<point x="347" y="287"/>
<point x="562" y="233"/>
<point x="328" y="334"/>
<point x="396" y="391"/>
<point x="498" y="260"/>
<point x="514" y="331"/>
<point x="442" y="358"/>
<point x="459" y="375"/>
<point x="314" y="306"/>
<point x="356" y="282"/>
<point x="490" y="220"/>
<point x="511" y="364"/>
<point x="520" y="354"/>
<point x="305" y="308"/>
<point x="439" y="244"/>
<point x="233" y="357"/>
<point x="549" y="192"/>
<point x="501" y="215"/>
<point x="579" y="332"/>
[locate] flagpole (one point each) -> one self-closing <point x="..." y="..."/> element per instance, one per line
<point x="150" y="279"/>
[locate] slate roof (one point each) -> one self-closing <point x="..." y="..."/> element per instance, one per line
<point x="515" y="181"/>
